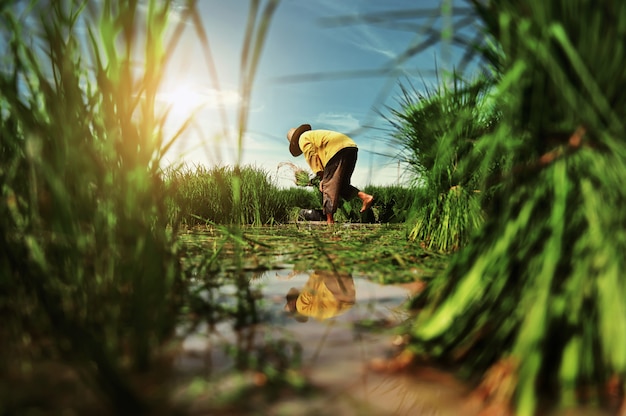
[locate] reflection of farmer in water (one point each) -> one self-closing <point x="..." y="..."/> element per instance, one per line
<point x="325" y="295"/>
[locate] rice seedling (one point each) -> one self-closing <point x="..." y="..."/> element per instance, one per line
<point x="206" y="195"/>
<point x="444" y="222"/>
<point x="203" y="195"/>
<point x="436" y="132"/>
<point x="301" y="176"/>
<point x="90" y="269"/>
<point x="92" y="274"/>
<point x="379" y="252"/>
<point x="392" y="205"/>
<point x="537" y="291"/>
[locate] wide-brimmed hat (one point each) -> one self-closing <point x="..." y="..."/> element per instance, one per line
<point x="290" y="305"/>
<point x="293" y="135"/>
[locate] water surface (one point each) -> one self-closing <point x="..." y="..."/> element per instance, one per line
<point x="345" y="323"/>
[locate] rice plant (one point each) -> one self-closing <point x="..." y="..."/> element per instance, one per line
<point x="90" y="276"/>
<point x="444" y="222"/>
<point x="204" y="195"/>
<point x="392" y="205"/>
<point x="539" y="290"/>
<point x="436" y="132"/>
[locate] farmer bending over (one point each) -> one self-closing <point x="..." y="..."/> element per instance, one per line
<point x="332" y="156"/>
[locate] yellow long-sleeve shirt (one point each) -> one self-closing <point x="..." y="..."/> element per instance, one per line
<point x="319" y="146"/>
<point x="326" y="295"/>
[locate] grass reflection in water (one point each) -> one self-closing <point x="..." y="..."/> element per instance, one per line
<point x="282" y="359"/>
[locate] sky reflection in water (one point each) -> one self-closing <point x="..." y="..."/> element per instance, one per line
<point x="328" y="327"/>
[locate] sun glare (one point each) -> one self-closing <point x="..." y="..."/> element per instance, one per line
<point x="184" y="101"/>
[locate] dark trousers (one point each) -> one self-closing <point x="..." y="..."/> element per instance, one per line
<point x="336" y="181"/>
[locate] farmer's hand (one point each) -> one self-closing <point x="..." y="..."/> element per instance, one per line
<point x="321" y="189"/>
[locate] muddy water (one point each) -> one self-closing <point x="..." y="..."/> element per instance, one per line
<point x="314" y="352"/>
<point x="325" y="336"/>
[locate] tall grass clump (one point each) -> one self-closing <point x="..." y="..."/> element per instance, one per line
<point x="204" y="195"/>
<point x="300" y="198"/>
<point x="392" y="205"/>
<point x="537" y="296"/>
<point x="89" y="277"/>
<point x="436" y="132"/>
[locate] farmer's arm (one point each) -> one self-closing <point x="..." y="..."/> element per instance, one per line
<point x="312" y="158"/>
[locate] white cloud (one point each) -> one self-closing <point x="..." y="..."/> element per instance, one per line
<point x="342" y="122"/>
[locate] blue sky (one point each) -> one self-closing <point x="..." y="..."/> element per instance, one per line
<point x="311" y="71"/>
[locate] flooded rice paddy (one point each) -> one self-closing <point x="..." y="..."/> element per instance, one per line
<point x="314" y="350"/>
<point x="312" y="342"/>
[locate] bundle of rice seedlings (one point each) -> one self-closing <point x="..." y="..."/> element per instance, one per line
<point x="301" y="176"/>
<point x="446" y="222"/>
<point x="437" y="132"/>
<point x="539" y="291"/>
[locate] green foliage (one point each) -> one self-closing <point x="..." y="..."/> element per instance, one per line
<point x="89" y="274"/>
<point x="444" y="222"/>
<point x="206" y="194"/>
<point x="300" y="198"/>
<point x="302" y="177"/>
<point x="380" y="252"/>
<point x="391" y="205"/>
<point x="436" y="133"/>
<point x="540" y="284"/>
<point x="548" y="291"/>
